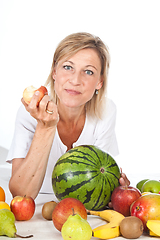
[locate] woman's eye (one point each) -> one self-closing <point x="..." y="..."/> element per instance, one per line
<point x="89" y="72"/>
<point x="67" y="67"/>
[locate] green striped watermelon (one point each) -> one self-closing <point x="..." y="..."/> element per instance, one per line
<point x="87" y="174"/>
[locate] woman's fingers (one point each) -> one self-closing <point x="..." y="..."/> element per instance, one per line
<point x="124" y="181"/>
<point x="33" y="105"/>
<point x="44" y="111"/>
<point x="35" y="100"/>
<point x="50" y="107"/>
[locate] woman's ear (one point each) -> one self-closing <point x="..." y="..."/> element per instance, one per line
<point x="54" y="73"/>
<point x="99" y="84"/>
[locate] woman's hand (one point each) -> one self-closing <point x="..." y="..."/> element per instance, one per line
<point x="124" y="181"/>
<point x="45" y="112"/>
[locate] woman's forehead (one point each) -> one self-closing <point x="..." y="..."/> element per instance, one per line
<point x="87" y="54"/>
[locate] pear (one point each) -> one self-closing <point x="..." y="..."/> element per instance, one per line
<point x="76" y="228"/>
<point x="7" y="224"/>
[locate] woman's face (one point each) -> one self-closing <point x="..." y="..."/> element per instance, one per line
<point x="77" y="78"/>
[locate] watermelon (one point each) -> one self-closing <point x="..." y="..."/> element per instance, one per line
<point x="86" y="173"/>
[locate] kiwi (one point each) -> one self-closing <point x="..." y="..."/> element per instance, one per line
<point x="131" y="227"/>
<point x="47" y="209"/>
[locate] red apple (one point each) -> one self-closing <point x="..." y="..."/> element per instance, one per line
<point x="23" y="208"/>
<point x="64" y="209"/>
<point x="122" y="198"/>
<point x="147" y="207"/>
<point x="29" y="92"/>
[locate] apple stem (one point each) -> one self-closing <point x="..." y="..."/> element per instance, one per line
<point x="73" y="212"/>
<point x="17" y="235"/>
<point x="88" y="212"/>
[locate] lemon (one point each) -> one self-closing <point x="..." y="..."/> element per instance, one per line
<point x="4" y="205"/>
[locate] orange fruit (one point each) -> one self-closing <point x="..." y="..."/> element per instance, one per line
<point x="4" y="205"/>
<point x="2" y="194"/>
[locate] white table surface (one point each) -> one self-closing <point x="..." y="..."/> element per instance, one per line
<point x="43" y="229"/>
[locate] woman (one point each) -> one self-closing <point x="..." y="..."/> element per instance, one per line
<point x="76" y="112"/>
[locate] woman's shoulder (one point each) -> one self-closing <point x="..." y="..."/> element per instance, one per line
<point x="109" y="110"/>
<point x="110" y="106"/>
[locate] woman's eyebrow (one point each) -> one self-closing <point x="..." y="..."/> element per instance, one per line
<point x="91" y="66"/>
<point x="69" y="62"/>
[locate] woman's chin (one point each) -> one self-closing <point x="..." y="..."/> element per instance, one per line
<point x="72" y="104"/>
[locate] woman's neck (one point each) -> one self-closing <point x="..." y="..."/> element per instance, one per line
<point x="71" y="116"/>
<point x="70" y="125"/>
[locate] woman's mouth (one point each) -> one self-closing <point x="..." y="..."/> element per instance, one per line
<point x="72" y="92"/>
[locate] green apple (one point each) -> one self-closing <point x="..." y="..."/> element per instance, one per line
<point x="140" y="184"/>
<point x="152" y="186"/>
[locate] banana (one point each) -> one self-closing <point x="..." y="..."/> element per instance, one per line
<point x="111" y="229"/>
<point x="153" y="234"/>
<point x="154" y="227"/>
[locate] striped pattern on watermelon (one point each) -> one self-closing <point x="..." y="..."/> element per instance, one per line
<point x="87" y="174"/>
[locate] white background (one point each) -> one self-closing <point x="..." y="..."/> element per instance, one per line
<point x="29" y="33"/>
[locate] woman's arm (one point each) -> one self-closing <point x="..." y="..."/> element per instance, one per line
<point x="28" y="173"/>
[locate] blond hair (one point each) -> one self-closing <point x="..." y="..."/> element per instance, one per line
<point x="70" y="46"/>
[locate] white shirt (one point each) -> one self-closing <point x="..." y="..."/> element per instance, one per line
<point x="97" y="132"/>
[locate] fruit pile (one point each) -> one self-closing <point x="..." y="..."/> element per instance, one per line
<point x="135" y="214"/>
<point x="77" y="174"/>
<point x="69" y="215"/>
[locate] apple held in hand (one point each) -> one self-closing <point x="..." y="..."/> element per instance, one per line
<point x="64" y="209"/>
<point x="152" y="186"/>
<point x="122" y="198"/>
<point x="29" y="92"/>
<point x="147" y="207"/>
<point x="23" y="208"/>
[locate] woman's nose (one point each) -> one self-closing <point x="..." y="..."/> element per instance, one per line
<point x="76" y="78"/>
